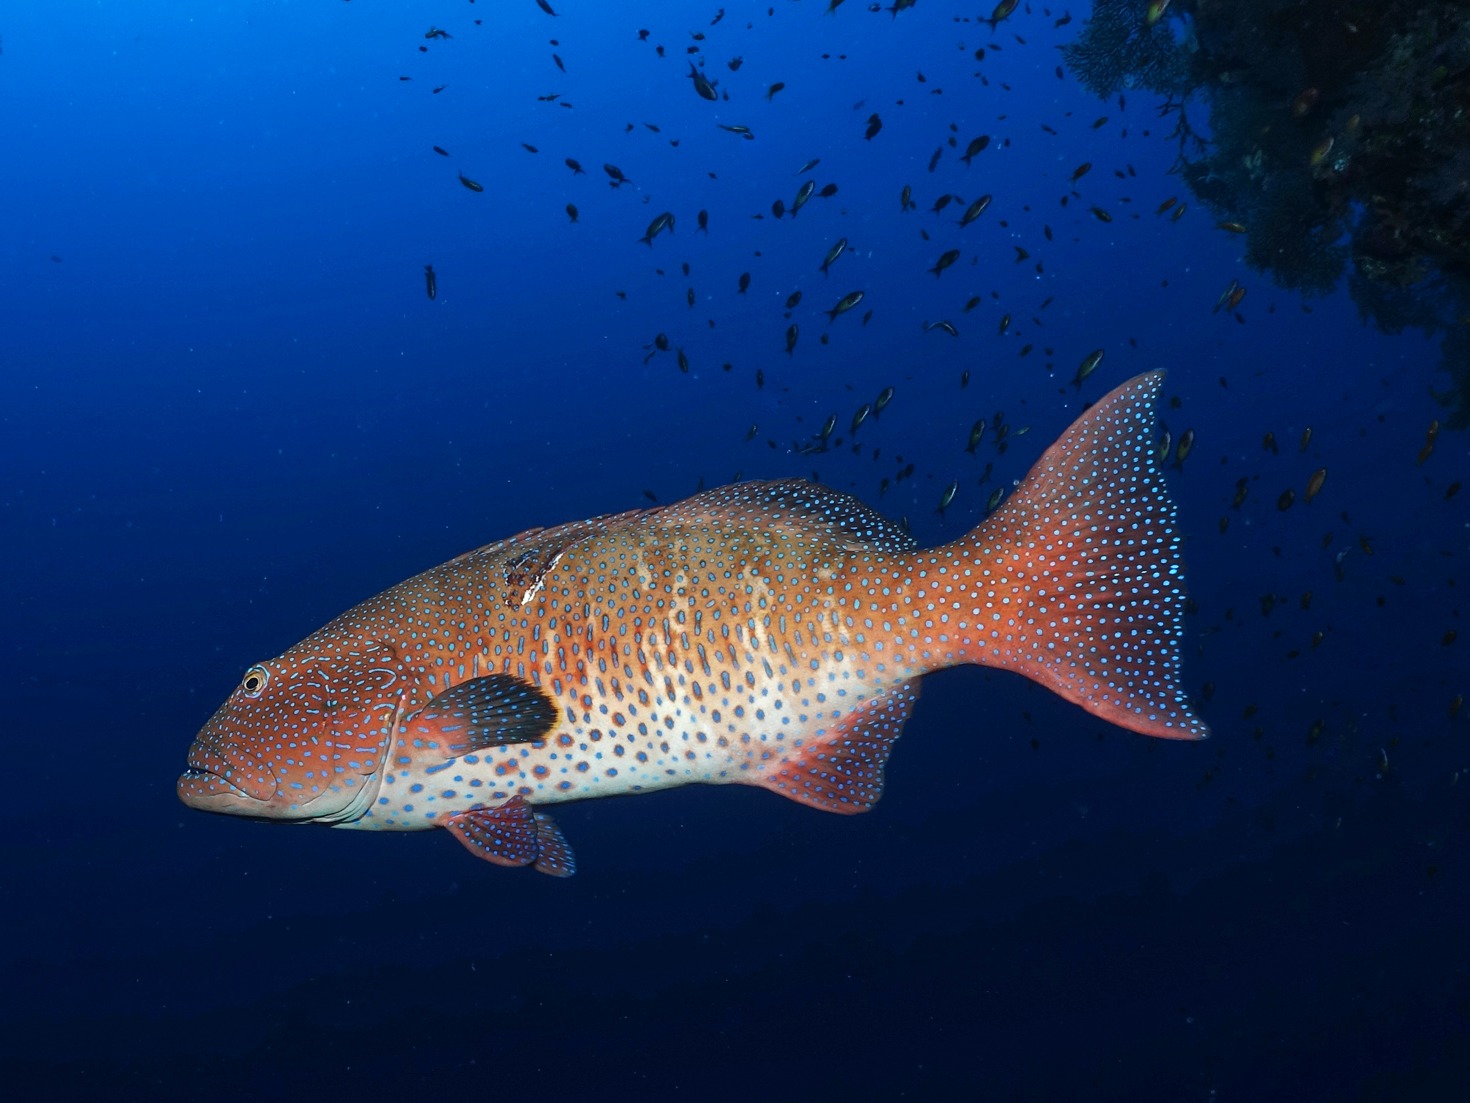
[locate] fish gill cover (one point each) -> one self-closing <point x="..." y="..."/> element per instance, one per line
<point x="303" y="299"/>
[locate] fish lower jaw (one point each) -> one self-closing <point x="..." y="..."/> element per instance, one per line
<point x="202" y="788"/>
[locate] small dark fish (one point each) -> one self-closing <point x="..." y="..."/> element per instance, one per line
<point x="702" y="85"/>
<point x="940" y="203"/>
<point x="683" y="361"/>
<point x="972" y="303"/>
<point x="1001" y="11"/>
<point x="945" y="260"/>
<point x="792" y="332"/>
<point x="661" y="342"/>
<point x="472" y="185"/>
<point x="559" y="64"/>
<point x="778" y="208"/>
<point x="833" y="253"/>
<point x="743" y="131"/>
<point x="1087" y="367"/>
<point x="977" y="433"/>
<point x="844" y="304"/>
<point x="906" y="199"/>
<point x="948" y="327"/>
<point x="703" y="220"/>
<point x="975" y="210"/>
<point x="792" y="300"/>
<point x="861" y="416"/>
<point x="828" y="191"/>
<point x="875" y="124"/>
<point x="529" y="148"/>
<point x="948" y="496"/>
<point x="572" y="211"/>
<point x="441" y="152"/>
<point x="663" y="222"/>
<point x="575" y="167"/>
<point x="544" y="6"/>
<point x="431" y="282"/>
<point x="773" y="89"/>
<point x="435" y="32"/>
<point x="802" y="196"/>
<point x="806" y="168"/>
<point x="1184" y="448"/>
<point x="885" y="396"/>
<point x="1005" y="324"/>
<point x="689" y="298"/>
<point x="934" y="161"/>
<point x="744" y="282"/>
<point x="1100" y="214"/>
<point x="616" y="175"/>
<point x="1080" y="171"/>
<point x="977" y="145"/>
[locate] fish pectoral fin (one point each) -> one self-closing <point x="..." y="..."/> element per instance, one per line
<point x="485" y="712"/>
<point x="514" y="835"/>
<point x="842" y="771"/>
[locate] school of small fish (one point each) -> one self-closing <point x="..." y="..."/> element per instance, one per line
<point x="412" y="711"/>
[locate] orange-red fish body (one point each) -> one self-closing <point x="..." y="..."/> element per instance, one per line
<point x="770" y="634"/>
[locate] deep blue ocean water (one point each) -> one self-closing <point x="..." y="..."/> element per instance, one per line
<point x="229" y="410"/>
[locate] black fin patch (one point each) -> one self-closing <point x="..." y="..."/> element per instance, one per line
<point x="485" y="712"/>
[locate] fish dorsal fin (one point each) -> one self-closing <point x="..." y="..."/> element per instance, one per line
<point x="513" y="835"/>
<point x="841" y="770"/>
<point x="795" y="507"/>
<point x="485" y="712"/>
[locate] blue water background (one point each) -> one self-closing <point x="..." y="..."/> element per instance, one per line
<point x="228" y="411"/>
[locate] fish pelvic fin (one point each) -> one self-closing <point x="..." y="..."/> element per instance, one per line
<point x="1077" y="581"/>
<point x="512" y="834"/>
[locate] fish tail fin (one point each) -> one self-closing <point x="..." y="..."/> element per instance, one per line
<point x="1077" y="581"/>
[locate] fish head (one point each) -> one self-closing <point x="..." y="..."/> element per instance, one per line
<point x="304" y="736"/>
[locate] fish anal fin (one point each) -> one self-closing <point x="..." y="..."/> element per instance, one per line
<point x="842" y="770"/>
<point x="512" y="834"/>
<point x="480" y="713"/>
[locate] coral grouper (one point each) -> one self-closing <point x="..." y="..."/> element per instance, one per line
<point x="770" y="634"/>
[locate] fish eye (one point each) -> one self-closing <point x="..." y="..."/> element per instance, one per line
<point x="254" y="681"/>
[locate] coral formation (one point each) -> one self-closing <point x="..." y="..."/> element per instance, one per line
<point x="1337" y="133"/>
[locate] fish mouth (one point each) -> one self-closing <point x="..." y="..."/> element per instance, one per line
<point x="203" y="789"/>
<point x="223" y="774"/>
